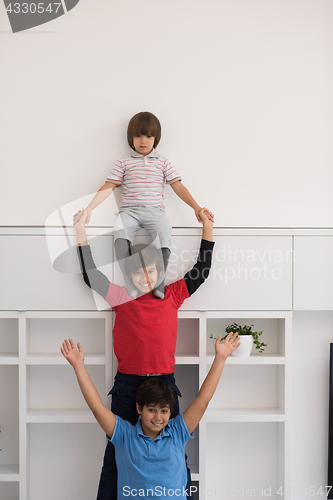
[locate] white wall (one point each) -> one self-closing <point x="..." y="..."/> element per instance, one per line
<point x="242" y="88"/>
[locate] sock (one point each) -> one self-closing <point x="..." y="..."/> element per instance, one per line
<point x="158" y="291"/>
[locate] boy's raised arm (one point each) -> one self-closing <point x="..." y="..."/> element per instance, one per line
<point x="196" y="410"/>
<point x="75" y="357"/>
<point x="200" y="271"/>
<point x="94" y="278"/>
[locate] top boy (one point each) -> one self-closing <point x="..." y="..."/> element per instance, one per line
<point x="142" y="173"/>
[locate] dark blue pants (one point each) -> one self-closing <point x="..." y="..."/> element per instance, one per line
<point x="123" y="404"/>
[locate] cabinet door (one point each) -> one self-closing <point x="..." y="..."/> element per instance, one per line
<point x="248" y="272"/>
<point x="31" y="281"/>
<point x="313" y="274"/>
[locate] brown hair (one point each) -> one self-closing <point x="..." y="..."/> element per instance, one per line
<point x="155" y="391"/>
<point x="144" y="123"/>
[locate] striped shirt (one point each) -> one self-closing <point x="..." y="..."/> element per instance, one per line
<point x="143" y="178"/>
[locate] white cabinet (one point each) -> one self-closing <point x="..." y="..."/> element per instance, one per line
<point x="46" y="426"/>
<point x="313" y="274"/>
<point x="29" y="282"/>
<point x="48" y="430"/>
<point x="251" y="270"/>
<point x="248" y="272"/>
<point x="246" y="429"/>
<point x="9" y="407"/>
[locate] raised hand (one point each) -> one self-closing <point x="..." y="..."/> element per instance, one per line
<point x="230" y="344"/>
<point x="204" y="214"/>
<point x="81" y="217"/>
<point x="74" y="356"/>
<point x="84" y="213"/>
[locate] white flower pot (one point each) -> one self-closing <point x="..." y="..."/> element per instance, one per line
<point x="244" y="350"/>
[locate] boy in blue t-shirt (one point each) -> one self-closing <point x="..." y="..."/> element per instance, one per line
<point x="150" y="455"/>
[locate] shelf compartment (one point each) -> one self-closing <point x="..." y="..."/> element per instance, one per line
<point x="9" y="422"/>
<point x="273" y="332"/>
<point x="247" y="386"/>
<point x="45" y="336"/>
<point x="8" y="340"/>
<point x="9" y="473"/>
<point x="9" y="490"/>
<point x="52" y="387"/>
<point x="254" y="449"/>
<point x="81" y="448"/>
<point x="187" y="337"/>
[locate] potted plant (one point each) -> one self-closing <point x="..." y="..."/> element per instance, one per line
<point x="248" y="338"/>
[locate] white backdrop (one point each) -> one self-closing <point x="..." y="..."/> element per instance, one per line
<point x="243" y="89"/>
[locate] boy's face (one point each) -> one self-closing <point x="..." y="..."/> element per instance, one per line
<point x="145" y="279"/>
<point x="153" y="418"/>
<point x="143" y="144"/>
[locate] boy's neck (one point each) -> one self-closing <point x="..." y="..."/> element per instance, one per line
<point x="143" y="154"/>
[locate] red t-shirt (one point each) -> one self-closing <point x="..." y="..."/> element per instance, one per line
<point x="145" y="330"/>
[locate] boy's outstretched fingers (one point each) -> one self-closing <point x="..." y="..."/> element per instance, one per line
<point x="74" y="355"/>
<point x="81" y="218"/>
<point x="230" y="343"/>
<point x="77" y="216"/>
<point x="67" y="345"/>
<point x="233" y="339"/>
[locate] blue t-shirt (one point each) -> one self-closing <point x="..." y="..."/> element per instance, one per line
<point x="147" y="468"/>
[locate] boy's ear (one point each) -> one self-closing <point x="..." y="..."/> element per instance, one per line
<point x="138" y="408"/>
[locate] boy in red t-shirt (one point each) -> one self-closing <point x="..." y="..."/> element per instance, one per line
<point x="147" y="325"/>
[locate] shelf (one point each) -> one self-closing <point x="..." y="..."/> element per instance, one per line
<point x="32" y="342"/>
<point x="9" y="473"/>
<point x="248" y="314"/>
<point x="194" y="472"/>
<point x="259" y="359"/>
<point x="187" y="359"/>
<point x="58" y="359"/>
<point x="60" y="417"/>
<point x="9" y="359"/>
<point x="245" y="415"/>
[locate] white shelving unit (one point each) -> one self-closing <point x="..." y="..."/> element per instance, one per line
<point x="9" y="407"/>
<point x="253" y="397"/>
<point x="45" y="390"/>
